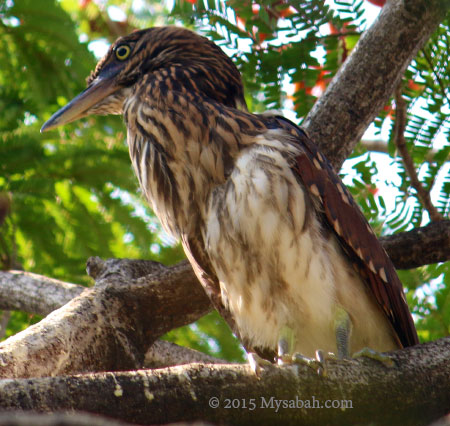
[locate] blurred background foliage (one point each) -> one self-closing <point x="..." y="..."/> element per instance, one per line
<point x="71" y="193"/>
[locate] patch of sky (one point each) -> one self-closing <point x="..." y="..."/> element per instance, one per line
<point x="116" y="14"/>
<point x="99" y="47"/>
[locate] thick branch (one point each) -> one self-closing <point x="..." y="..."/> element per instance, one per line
<point x="368" y="77"/>
<point x="421" y="246"/>
<point x="41" y="295"/>
<point x="165" y="354"/>
<point x="372" y="392"/>
<point x="110" y="326"/>
<point x="34" y="293"/>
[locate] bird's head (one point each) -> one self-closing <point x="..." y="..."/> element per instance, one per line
<point x="192" y="62"/>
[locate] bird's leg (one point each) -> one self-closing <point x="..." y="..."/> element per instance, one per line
<point x="286" y="344"/>
<point x="343" y="329"/>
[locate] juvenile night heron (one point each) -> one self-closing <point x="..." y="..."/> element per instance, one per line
<point x="276" y="240"/>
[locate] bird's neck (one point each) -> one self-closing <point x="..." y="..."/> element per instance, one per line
<point x="181" y="146"/>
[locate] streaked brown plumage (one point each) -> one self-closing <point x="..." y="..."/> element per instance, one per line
<point x="273" y="235"/>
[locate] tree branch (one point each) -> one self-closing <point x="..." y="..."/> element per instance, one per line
<point x="399" y="137"/>
<point x="370" y="389"/>
<point x="23" y="291"/>
<point x="368" y="77"/>
<point x="40" y="295"/>
<point x="165" y="354"/>
<point x="110" y="326"/>
<point x="381" y="146"/>
<point x="421" y="246"/>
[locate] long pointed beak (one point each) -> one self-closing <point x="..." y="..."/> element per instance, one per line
<point x="79" y="106"/>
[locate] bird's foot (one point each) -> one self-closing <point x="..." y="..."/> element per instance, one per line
<point x="257" y="363"/>
<point x="377" y="356"/>
<point x="318" y="364"/>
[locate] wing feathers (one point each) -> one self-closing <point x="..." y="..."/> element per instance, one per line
<point x="355" y="236"/>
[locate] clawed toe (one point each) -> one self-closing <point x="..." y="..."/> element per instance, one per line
<point x="377" y="356"/>
<point x="257" y="363"/>
<point x="318" y="364"/>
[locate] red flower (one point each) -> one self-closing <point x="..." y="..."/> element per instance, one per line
<point x="379" y="3"/>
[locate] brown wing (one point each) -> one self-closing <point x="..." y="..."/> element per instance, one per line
<point x="355" y="235"/>
<point x="199" y="259"/>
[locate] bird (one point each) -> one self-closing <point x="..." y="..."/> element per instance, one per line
<point x="275" y="238"/>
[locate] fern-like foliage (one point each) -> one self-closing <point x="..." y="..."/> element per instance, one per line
<point x="63" y="187"/>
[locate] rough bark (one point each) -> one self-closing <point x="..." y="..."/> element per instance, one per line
<point x="111" y="326"/>
<point x="419" y="379"/>
<point x="23" y="291"/>
<point x="41" y="295"/>
<point x="370" y="74"/>
<point x="421" y="246"/>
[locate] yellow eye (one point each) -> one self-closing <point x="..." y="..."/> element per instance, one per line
<point x="122" y="52"/>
